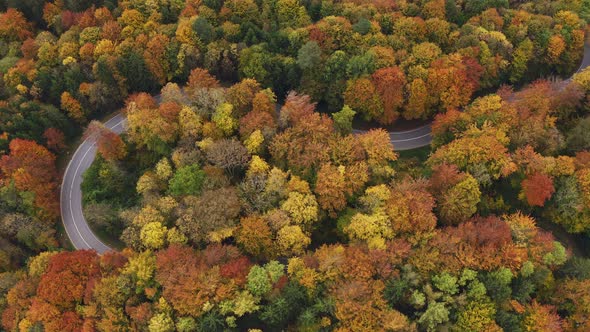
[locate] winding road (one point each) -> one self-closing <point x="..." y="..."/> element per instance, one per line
<point x="73" y="219"/>
<point x="72" y="215"/>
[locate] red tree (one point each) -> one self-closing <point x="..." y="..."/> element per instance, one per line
<point x="110" y="145"/>
<point x="69" y="278"/>
<point x="32" y="168"/>
<point x="389" y="83"/>
<point x="537" y="188"/>
<point x="55" y="139"/>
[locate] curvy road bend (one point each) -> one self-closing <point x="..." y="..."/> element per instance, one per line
<point x="75" y="225"/>
<point x="82" y="236"/>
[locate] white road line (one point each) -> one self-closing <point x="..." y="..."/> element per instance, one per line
<point x="61" y="194"/>
<point x="410" y="139"/>
<point x="408" y="131"/>
<point x="72" y="189"/>
<point x="73" y="179"/>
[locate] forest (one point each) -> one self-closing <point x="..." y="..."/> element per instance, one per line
<point x="244" y="196"/>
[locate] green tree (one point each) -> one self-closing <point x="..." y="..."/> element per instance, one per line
<point x="520" y="59"/>
<point x="361" y="65"/>
<point x="259" y="282"/>
<point x="224" y="120"/>
<point x="343" y="120"/>
<point x="578" y="138"/>
<point x="363" y="26"/>
<point x="435" y="314"/>
<point x="204" y="30"/>
<point x="309" y="56"/>
<point x="161" y="323"/>
<point x="187" y="180"/>
<point x="459" y="203"/>
<point x="254" y="63"/>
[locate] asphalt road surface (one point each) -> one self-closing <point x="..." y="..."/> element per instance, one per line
<point x="408" y="139"/>
<point x="76" y="226"/>
<point x="586" y="59"/>
<point x="82" y="236"/>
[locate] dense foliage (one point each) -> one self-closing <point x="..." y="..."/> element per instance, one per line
<point x="242" y="206"/>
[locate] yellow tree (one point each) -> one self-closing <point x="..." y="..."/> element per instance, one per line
<point x="292" y="241"/>
<point x="331" y="188"/>
<point x="72" y="107"/>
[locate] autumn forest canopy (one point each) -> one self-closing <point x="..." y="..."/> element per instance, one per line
<point x="240" y="197"/>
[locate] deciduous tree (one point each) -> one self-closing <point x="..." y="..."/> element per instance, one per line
<point x="537" y="188"/>
<point x="32" y="168"/>
<point x="389" y="84"/>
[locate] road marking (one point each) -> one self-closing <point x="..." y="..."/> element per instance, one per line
<point x="82" y="212"/>
<point x="124" y="120"/>
<point x="410" y="139"/>
<point x="73" y="178"/>
<point x="62" y="193"/>
<point x="72" y="189"/>
<point x="408" y="131"/>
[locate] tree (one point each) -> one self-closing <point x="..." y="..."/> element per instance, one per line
<point x="331" y="188"/>
<point x="520" y="59"/>
<point x="254" y="142"/>
<point x="223" y="119"/>
<point x="389" y="83"/>
<point x="555" y="49"/>
<point x="573" y="297"/>
<point x="291" y="14"/>
<point x="566" y="203"/>
<point x="211" y="217"/>
<point x="577" y="138"/>
<point x="361" y="94"/>
<point x="102" y="216"/>
<point x="256" y="120"/>
<point x="343" y="120"/>
<point x="259" y="282"/>
<point x="241" y="95"/>
<point x="309" y="56"/>
<point x="478" y="316"/>
<point x="481" y="152"/>
<point x="14" y="26"/>
<point x="361" y="65"/>
<point x="255" y="62"/>
<point x="55" y="139"/>
<point x="190" y="124"/>
<point x="303" y="147"/>
<point x="292" y="241"/>
<point x="204" y="30"/>
<point x="152" y="127"/>
<point x="110" y="145"/>
<point x="200" y="79"/>
<point x="153" y="235"/>
<point x="161" y="323"/>
<point x="410" y="209"/>
<point x="302" y="208"/>
<point x="32" y="168"/>
<point x="255" y="237"/>
<point x="417" y="107"/>
<point x="541" y="318"/>
<point x="72" y="107"/>
<point x="537" y="188"/>
<point x="187" y="180"/>
<point x="435" y="314"/>
<point x="68" y="277"/>
<point x="379" y="152"/>
<point x="523" y="227"/>
<point x="228" y="154"/>
<point x="374" y="229"/>
<point x="459" y="203"/>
